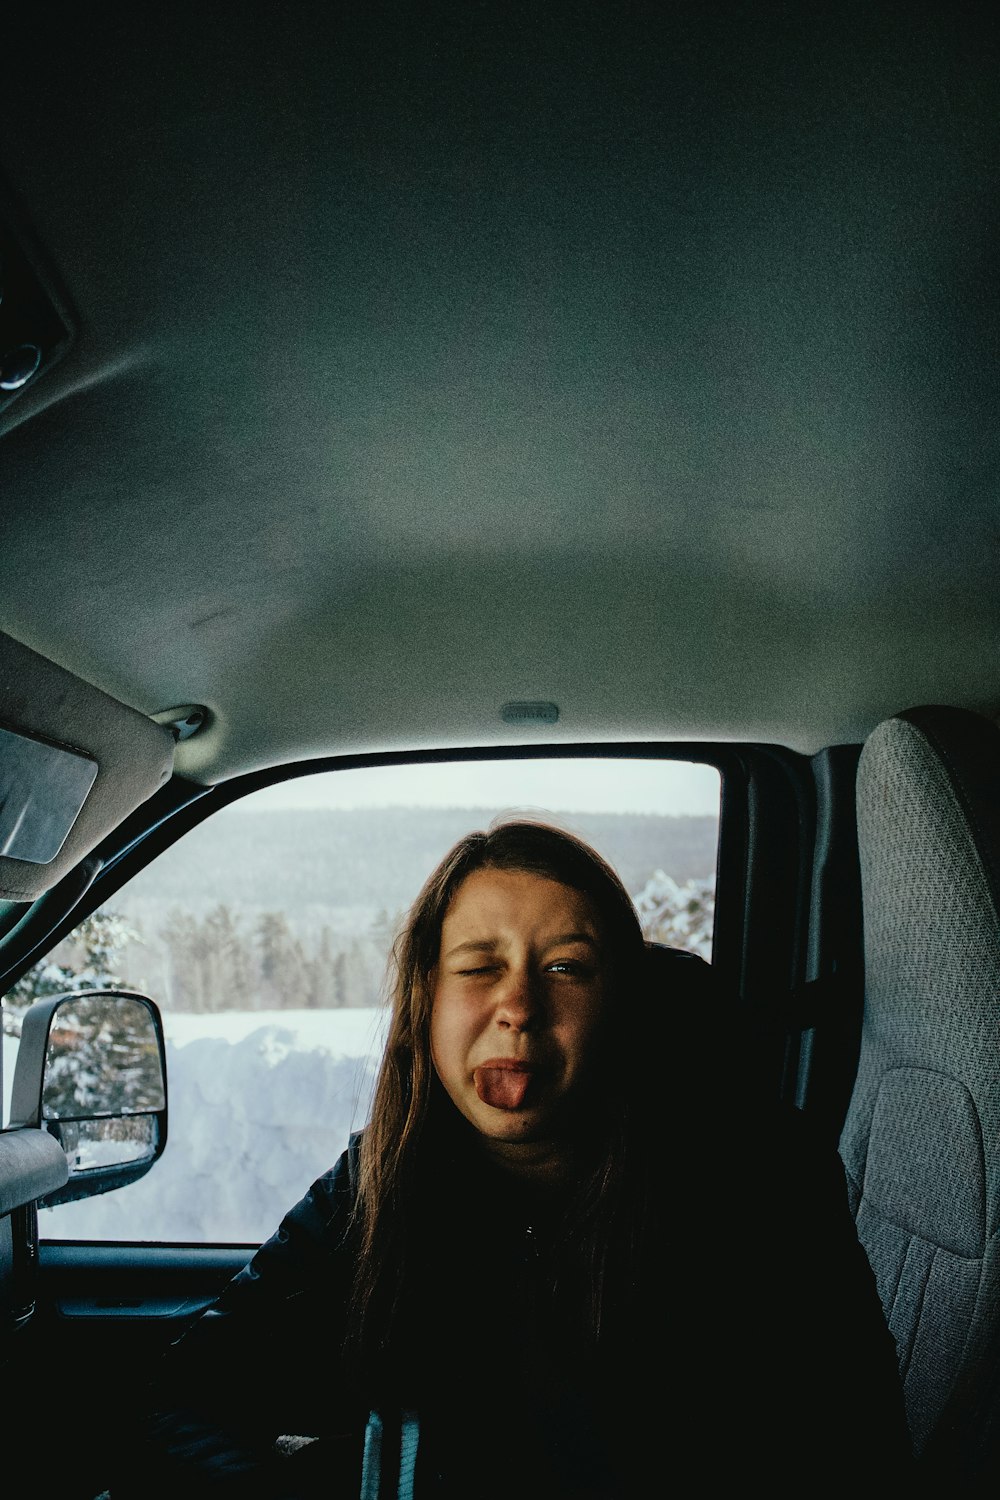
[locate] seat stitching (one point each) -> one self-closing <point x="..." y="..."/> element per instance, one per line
<point x="905" y="1363"/>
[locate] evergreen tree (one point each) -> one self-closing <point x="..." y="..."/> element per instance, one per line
<point x="320" y="973"/>
<point x="229" y="983"/>
<point x="275" y="944"/>
<point x="339" y="986"/>
<point x="179" y="936"/>
<point x="90" y="958"/>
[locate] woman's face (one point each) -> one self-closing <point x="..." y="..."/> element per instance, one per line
<point x="518" y="997"/>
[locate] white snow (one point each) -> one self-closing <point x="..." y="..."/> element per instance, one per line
<point x="260" y="1103"/>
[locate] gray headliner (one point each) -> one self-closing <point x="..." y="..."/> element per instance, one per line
<point x="639" y="358"/>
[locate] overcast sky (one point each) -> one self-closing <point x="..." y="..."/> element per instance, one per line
<point x="611" y="785"/>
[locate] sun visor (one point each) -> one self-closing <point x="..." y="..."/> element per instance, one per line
<point x="73" y="764"/>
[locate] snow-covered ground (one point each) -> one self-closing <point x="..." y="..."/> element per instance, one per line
<point x="260" y="1104"/>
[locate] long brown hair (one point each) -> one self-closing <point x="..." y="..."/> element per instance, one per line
<point x="410" y="1112"/>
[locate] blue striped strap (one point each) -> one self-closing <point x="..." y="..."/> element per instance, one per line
<point x="376" y="1452"/>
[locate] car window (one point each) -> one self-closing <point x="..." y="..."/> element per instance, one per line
<point x="264" y="935"/>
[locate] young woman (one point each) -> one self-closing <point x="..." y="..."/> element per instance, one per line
<point x="573" y="1254"/>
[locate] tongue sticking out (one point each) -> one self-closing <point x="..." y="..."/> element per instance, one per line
<point x="503" y="1088"/>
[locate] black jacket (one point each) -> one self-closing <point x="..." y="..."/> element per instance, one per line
<point x="752" y="1350"/>
<point x="763" y="1355"/>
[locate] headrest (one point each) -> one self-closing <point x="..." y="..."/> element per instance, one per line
<point x="928" y="807"/>
<point x="684" y="968"/>
<point x="691" y="992"/>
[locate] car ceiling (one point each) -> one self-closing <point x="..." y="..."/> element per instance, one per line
<point x="638" y="359"/>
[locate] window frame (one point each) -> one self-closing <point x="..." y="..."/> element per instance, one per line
<point x="765" y="849"/>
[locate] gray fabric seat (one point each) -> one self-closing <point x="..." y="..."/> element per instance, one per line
<point x="921" y="1138"/>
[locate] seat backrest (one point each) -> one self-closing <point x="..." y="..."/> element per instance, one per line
<point x="921" y="1138"/>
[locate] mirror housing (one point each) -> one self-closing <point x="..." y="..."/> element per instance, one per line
<point x="91" y="1071"/>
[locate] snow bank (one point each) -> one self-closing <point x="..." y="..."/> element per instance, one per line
<point x="259" y="1105"/>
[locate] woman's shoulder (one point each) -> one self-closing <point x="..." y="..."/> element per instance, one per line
<point x="315" y="1228"/>
<point x="331" y="1195"/>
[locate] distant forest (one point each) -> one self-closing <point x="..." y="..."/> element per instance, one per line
<point x="262" y="909"/>
<point x="380" y="857"/>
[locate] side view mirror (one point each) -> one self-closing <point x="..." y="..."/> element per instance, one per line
<point x="91" y="1071"/>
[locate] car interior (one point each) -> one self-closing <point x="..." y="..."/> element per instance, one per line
<point x="429" y="388"/>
